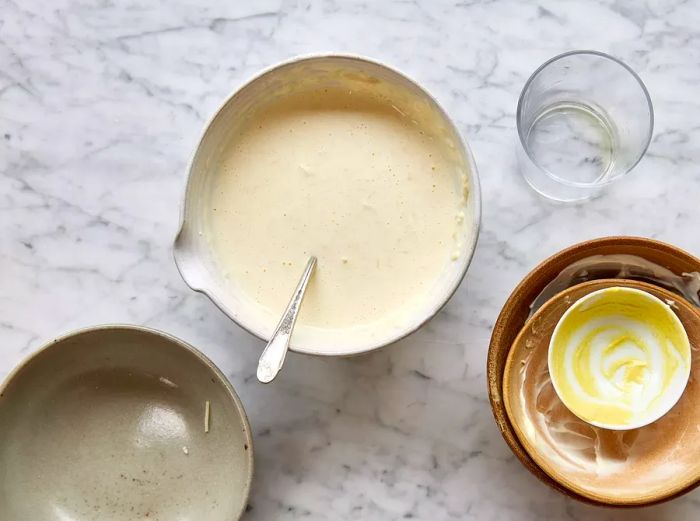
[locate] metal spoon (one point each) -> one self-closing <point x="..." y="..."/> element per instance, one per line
<point x="273" y="356"/>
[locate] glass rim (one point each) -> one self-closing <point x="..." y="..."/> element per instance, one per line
<point x="599" y="54"/>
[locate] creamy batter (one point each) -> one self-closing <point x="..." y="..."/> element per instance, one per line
<point x="349" y="177"/>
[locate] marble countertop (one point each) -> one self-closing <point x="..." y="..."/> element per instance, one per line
<point x="101" y="106"/>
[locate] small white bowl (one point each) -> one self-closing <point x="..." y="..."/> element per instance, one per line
<point x="565" y="376"/>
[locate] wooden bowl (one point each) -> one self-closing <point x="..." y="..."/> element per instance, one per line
<point x="516" y="311"/>
<point x="109" y="423"/>
<point x="620" y="468"/>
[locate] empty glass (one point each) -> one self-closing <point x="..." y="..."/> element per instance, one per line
<point x="584" y="120"/>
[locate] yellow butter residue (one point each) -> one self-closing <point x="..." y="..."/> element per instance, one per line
<point x="619" y="356"/>
<point x="634" y="372"/>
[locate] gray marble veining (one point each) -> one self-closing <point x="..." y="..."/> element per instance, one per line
<point x="102" y="103"/>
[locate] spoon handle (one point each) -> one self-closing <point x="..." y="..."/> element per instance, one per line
<point x="273" y="356"/>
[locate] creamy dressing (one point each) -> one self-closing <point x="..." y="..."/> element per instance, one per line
<point x="360" y="183"/>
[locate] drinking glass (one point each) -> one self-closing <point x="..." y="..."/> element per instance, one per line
<point x="584" y="120"/>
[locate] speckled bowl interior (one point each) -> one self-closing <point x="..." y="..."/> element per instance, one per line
<point x="516" y="311"/>
<point x="109" y="424"/>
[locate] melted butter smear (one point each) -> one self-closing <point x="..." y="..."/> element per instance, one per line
<point x="619" y="357"/>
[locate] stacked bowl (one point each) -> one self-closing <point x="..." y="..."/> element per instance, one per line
<point x="605" y="467"/>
